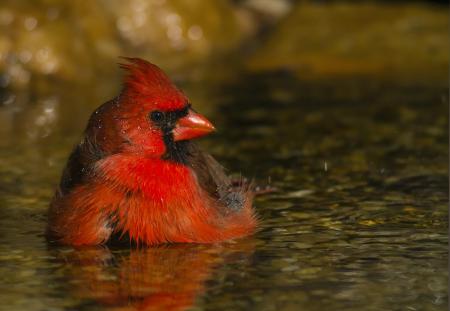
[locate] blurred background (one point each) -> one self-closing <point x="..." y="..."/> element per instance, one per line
<point x="342" y="105"/>
<point x="60" y="58"/>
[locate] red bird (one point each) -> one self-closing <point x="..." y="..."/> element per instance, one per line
<point x="137" y="174"/>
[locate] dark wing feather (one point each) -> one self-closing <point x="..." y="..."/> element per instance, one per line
<point x="213" y="179"/>
<point x="87" y="152"/>
<point x="79" y="165"/>
<point x="210" y="174"/>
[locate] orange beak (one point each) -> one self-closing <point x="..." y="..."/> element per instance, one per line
<point x="192" y="126"/>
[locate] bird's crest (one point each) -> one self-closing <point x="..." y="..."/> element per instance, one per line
<point x="148" y="80"/>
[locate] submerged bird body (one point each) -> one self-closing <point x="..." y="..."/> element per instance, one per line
<point x="136" y="174"/>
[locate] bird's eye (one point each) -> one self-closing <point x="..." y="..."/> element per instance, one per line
<point x="157" y="116"/>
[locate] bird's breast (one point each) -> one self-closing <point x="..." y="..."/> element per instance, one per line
<point x="156" y="180"/>
<point x="161" y="200"/>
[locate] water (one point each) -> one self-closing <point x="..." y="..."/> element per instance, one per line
<point x="359" y="221"/>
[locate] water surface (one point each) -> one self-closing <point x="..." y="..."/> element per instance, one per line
<point x="359" y="221"/>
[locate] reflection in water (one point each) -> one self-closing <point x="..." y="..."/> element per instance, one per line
<point x="168" y="277"/>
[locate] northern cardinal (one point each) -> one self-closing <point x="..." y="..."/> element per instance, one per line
<point x="136" y="174"/>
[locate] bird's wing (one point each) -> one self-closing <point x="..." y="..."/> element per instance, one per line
<point x="79" y="165"/>
<point x="213" y="179"/>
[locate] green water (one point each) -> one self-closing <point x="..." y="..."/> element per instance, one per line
<point x="359" y="221"/>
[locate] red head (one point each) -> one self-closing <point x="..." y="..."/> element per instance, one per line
<point x="148" y="117"/>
